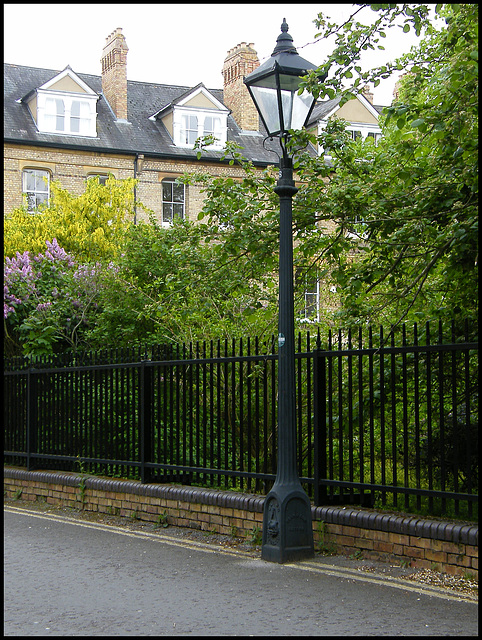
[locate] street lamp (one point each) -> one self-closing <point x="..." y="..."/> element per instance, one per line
<point x="273" y="86"/>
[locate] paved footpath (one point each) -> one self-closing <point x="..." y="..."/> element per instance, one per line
<point x="68" y="577"/>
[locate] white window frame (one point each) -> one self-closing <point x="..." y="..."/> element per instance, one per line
<point x="48" y="116"/>
<point x="172" y="202"/>
<point x="359" y="127"/>
<point x="311" y="298"/>
<point x="35" y="191"/>
<point x="189" y="129"/>
<point x="316" y="302"/>
<point x="101" y="177"/>
<point x="181" y="115"/>
<point x="376" y="135"/>
<point x="215" y="129"/>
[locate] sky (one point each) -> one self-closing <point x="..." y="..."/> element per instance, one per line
<point x="180" y="44"/>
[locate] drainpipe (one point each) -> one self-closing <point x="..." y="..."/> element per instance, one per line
<point x="138" y="162"/>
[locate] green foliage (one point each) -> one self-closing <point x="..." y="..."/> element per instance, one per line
<point x="50" y="301"/>
<point x="352" y="38"/>
<point x="416" y="193"/>
<point x="163" y="520"/>
<point x="255" y="536"/>
<point x="89" y="226"/>
<point x="180" y="287"/>
<point x="391" y="228"/>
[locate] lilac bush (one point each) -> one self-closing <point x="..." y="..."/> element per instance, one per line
<point x="50" y="300"/>
<point x="18" y="280"/>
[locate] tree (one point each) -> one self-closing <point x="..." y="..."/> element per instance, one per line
<point x="89" y="226"/>
<point x="165" y="285"/>
<point x="176" y="285"/>
<point x="51" y="297"/>
<point x="409" y="203"/>
<point x="412" y="199"/>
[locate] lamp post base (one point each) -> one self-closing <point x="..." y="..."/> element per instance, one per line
<point x="287" y="525"/>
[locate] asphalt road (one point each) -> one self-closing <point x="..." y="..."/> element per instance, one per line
<point x="69" y="577"/>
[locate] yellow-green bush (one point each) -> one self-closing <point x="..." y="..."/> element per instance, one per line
<point x="90" y="226"/>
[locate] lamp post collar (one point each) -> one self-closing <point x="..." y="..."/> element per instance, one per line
<point x="284" y="42"/>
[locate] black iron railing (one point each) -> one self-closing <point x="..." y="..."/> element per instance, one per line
<point x="391" y="421"/>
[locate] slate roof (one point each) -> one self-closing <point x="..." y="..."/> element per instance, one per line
<point x="139" y="135"/>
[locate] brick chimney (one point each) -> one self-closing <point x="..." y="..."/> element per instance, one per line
<point x="114" y="73"/>
<point x="396" y="89"/>
<point x="240" y="62"/>
<point x="367" y="94"/>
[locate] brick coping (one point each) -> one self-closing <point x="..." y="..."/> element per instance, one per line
<point x="409" y="525"/>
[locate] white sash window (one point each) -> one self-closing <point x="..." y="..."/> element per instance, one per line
<point x="66" y="114"/>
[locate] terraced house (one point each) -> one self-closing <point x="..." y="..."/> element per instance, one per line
<point x="69" y="126"/>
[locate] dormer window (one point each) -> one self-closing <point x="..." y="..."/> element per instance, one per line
<point x="190" y="124"/>
<point x="65" y="105"/>
<point x="195" y="114"/>
<point x="66" y="114"/>
<point x="360" y="115"/>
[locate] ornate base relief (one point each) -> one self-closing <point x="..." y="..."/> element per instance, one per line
<point x="287" y="528"/>
<point x="272" y="537"/>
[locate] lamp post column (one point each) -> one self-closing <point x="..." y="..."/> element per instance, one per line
<point x="287" y="521"/>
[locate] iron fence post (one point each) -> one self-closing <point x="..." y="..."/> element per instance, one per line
<point x="319" y="428"/>
<point x="32" y="417"/>
<point x="145" y="419"/>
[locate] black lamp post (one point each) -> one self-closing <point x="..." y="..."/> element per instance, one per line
<point x="287" y="522"/>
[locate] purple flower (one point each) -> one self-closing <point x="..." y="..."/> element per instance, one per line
<point x="43" y="306"/>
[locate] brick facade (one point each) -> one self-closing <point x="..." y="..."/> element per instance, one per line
<point x="120" y="141"/>
<point x="71" y="168"/>
<point x="70" y="164"/>
<point x="425" y="544"/>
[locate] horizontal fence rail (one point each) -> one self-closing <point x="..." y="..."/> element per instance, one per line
<point x="381" y="420"/>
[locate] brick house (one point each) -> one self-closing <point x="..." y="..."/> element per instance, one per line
<point x="69" y="126"/>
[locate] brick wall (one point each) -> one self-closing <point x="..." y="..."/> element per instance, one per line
<point x="433" y="544"/>
<point x="71" y="169"/>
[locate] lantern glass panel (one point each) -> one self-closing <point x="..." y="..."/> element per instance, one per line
<point x="299" y="109"/>
<point x="294" y="108"/>
<point x="266" y="99"/>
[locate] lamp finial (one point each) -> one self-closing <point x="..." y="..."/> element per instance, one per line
<point x="284" y="43"/>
